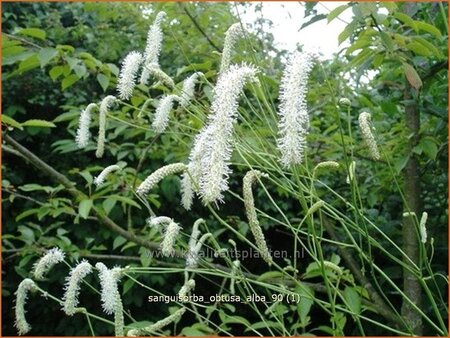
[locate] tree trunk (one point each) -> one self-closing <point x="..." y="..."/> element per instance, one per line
<point x="411" y="286"/>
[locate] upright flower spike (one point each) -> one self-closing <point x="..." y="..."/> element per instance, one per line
<point x="105" y="105"/>
<point x="72" y="288"/>
<point x="233" y="33"/>
<point x="369" y="139"/>
<point x="192" y="257"/>
<point x="174" y="317"/>
<point x="169" y="238"/>
<point x="24" y="288"/>
<point x="43" y="265"/>
<point x="111" y="301"/>
<point x="250" y="177"/>
<point x="154" y="178"/>
<point x="153" y="46"/>
<point x="293" y="112"/>
<point x="127" y="76"/>
<point x="351" y="172"/>
<point x="100" y="179"/>
<point x="423" y="227"/>
<point x="83" y="134"/>
<point x="161" y="120"/>
<point x="188" y="90"/>
<point x="217" y="138"/>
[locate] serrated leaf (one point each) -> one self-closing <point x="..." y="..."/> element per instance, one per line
<point x="412" y="76"/>
<point x="84" y="208"/>
<point x="69" y="81"/>
<point x="45" y="55"/>
<point x="8" y="120"/>
<point x="33" y="32"/>
<point x="103" y="80"/>
<point x="38" y="123"/>
<point x="336" y="12"/>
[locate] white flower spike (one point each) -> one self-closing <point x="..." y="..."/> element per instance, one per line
<point x="105" y="105"/>
<point x="72" y="288"/>
<point x="233" y="33"/>
<point x="369" y="139"/>
<point x="154" y="178"/>
<point x="188" y="90"/>
<point x="293" y="112"/>
<point x="83" y="134"/>
<point x="51" y="258"/>
<point x="127" y="76"/>
<point x="21" y="323"/>
<point x="100" y="179"/>
<point x="161" y="120"/>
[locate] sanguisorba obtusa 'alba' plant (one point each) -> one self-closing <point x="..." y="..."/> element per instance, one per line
<point x="206" y="173"/>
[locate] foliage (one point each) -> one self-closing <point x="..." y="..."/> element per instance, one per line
<point x="58" y="58"/>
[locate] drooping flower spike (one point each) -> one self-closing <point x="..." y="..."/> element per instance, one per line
<point x="43" y="265"/>
<point x="100" y="179"/>
<point x="83" y="134"/>
<point x="293" y="122"/>
<point x="72" y="288"/>
<point x="127" y="76"/>
<point x="154" y="178"/>
<point x="27" y="285"/>
<point x="105" y="105"/>
<point x="151" y="329"/>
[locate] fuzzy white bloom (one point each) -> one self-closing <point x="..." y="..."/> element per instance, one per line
<point x="127" y="76"/>
<point x="154" y="70"/>
<point x="83" y="134"/>
<point x="100" y="179"/>
<point x="217" y="138"/>
<point x="193" y="253"/>
<point x="192" y="257"/>
<point x="351" y="172"/>
<point x="185" y="289"/>
<point x="293" y="112"/>
<point x="154" y="178"/>
<point x="153" y="45"/>
<point x="161" y="120"/>
<point x="423" y="227"/>
<point x="188" y="90"/>
<point x="109" y="279"/>
<point x="158" y="325"/>
<point x="72" y="288"/>
<point x="169" y="238"/>
<point x="156" y="222"/>
<point x="250" y="177"/>
<point x="233" y="33"/>
<point x="192" y="176"/>
<point x="369" y="139"/>
<point x="105" y="105"/>
<point x="344" y="102"/>
<point x="24" y="288"/>
<point x="43" y="265"/>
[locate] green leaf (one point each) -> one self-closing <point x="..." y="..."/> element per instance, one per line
<point x="412" y="76"/>
<point x="108" y="204"/>
<point x="418" y="49"/>
<point x="348" y="30"/>
<point x="315" y="18"/>
<point x="336" y="12"/>
<point x="13" y="50"/>
<point x="38" y="123"/>
<point x="126" y="200"/>
<point x="387" y="41"/>
<point x="353" y="299"/>
<point x="55" y="72"/>
<point x="29" y="63"/>
<point x="406" y="19"/>
<point x="68" y="81"/>
<point x="423" y="26"/>
<point x="270" y="275"/>
<point x="84" y="208"/>
<point x="118" y="241"/>
<point x="103" y="80"/>
<point x="429" y="147"/>
<point x="433" y="49"/>
<point x="33" y="32"/>
<point x="45" y="55"/>
<point x="8" y="120"/>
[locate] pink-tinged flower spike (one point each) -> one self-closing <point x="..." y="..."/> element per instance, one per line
<point x="161" y="120"/>
<point x="111" y="301"/>
<point x="24" y="288"/>
<point x="188" y="90"/>
<point x="127" y="76"/>
<point x="231" y="36"/>
<point x="105" y="105"/>
<point x="72" y="288"/>
<point x="217" y="154"/>
<point x="154" y="178"/>
<point x="250" y="177"/>
<point x="100" y="179"/>
<point x="293" y="112"/>
<point x="43" y="265"/>
<point x="83" y="134"/>
<point x="153" y="46"/>
<point x="369" y="139"/>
